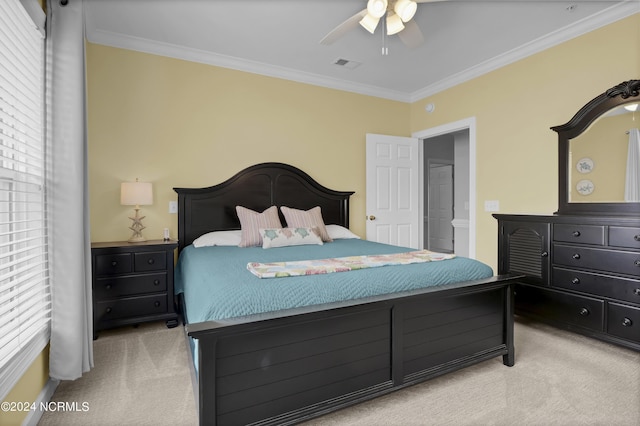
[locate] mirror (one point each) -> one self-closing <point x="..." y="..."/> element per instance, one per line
<point x="598" y="157"/>
<point x="594" y="149"/>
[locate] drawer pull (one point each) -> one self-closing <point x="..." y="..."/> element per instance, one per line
<point x="636" y="237"/>
<point x="576" y="233"/>
<point x="576" y="256"/>
<point x="627" y="322"/>
<point x="544" y="254"/>
<point x="575" y="281"/>
<point x="636" y="291"/>
<point x="108" y="286"/>
<point x="584" y="312"/>
<point x="108" y="310"/>
<point x="156" y="282"/>
<point x="114" y="263"/>
<point x="150" y="261"/>
<point x="637" y="262"/>
<point x="156" y="304"/>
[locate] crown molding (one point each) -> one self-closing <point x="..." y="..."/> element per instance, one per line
<point x="584" y="26"/>
<point x="195" y="55"/>
<point x="607" y="16"/>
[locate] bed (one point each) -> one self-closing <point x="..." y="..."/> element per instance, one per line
<point x="282" y="350"/>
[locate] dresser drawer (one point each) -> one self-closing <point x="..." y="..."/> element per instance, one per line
<point x="110" y="288"/>
<point x="623" y="321"/>
<point x="583" y="234"/>
<point x="131" y="307"/>
<point x="150" y="261"/>
<point x="559" y="307"/>
<point x="620" y="236"/>
<point x="111" y="264"/>
<point x="623" y="262"/>
<point x="598" y="284"/>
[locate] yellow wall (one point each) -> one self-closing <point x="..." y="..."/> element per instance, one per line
<point x="184" y="124"/>
<point x="27" y="389"/>
<point x="514" y="108"/>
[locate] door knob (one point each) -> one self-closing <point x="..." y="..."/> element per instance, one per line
<point x="372" y="217"/>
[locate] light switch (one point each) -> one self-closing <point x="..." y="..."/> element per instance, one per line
<point x="491" y="206"/>
<point x="173" y="207"/>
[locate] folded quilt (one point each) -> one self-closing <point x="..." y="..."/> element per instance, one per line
<point x="341" y="264"/>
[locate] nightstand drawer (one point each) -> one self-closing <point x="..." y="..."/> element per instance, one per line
<point x="131" y="307"/>
<point x="150" y="261"/>
<point x="624" y="321"/>
<point x="109" y="288"/>
<point x="110" y="264"/>
<point x="583" y="234"/>
<point x="624" y="237"/>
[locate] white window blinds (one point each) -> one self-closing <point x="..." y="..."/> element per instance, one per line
<point x="25" y="303"/>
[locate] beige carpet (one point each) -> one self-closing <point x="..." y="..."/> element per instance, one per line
<point x="141" y="377"/>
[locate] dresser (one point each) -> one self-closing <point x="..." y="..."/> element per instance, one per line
<point x="582" y="273"/>
<point x="132" y="283"/>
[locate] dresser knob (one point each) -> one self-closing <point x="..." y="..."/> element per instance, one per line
<point x="544" y="254"/>
<point x="584" y="312"/>
<point x="150" y="261"/>
<point x="157" y="304"/>
<point x="636" y="291"/>
<point x="636" y="237"/>
<point x="114" y="263"/>
<point x="627" y="322"/>
<point x="575" y="281"/>
<point x="576" y="256"/>
<point x="576" y="233"/>
<point x="108" y="286"/>
<point x="156" y="282"/>
<point x="637" y="263"/>
<point x="108" y="310"/>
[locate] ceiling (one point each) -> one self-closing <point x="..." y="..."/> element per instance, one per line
<point x="281" y="38"/>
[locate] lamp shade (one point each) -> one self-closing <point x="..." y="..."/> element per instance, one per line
<point x="405" y="9"/>
<point x="377" y="8"/>
<point x="136" y="193"/>
<point x="394" y="24"/>
<point x="369" y="23"/>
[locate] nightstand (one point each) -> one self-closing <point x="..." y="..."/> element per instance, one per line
<point x="132" y="283"/>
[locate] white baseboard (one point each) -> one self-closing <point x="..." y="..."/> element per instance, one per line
<point x="45" y="395"/>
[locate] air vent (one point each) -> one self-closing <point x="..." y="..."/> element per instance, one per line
<point x="345" y="63"/>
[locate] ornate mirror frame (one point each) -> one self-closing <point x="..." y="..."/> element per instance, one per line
<point x="621" y="94"/>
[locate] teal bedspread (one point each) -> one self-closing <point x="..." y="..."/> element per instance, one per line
<point x="217" y="285"/>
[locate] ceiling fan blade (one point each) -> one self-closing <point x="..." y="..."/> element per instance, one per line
<point x="343" y="28"/>
<point x="411" y="36"/>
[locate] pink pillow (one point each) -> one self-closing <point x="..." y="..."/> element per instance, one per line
<point x="311" y="218"/>
<point x="251" y="222"/>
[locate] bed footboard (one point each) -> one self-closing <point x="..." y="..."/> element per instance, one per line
<point x="283" y="369"/>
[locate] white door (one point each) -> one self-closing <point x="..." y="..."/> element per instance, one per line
<point x="440" y="207"/>
<point x="392" y="190"/>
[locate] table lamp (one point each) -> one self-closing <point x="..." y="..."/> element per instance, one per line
<point x="136" y="194"/>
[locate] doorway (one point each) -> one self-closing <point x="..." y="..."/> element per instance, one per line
<point x="452" y="144"/>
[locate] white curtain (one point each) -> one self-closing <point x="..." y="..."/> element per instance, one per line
<point x="71" y="347"/>
<point x="632" y="181"/>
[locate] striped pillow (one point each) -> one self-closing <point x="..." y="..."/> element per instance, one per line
<point x="251" y="222"/>
<point x="311" y="218"/>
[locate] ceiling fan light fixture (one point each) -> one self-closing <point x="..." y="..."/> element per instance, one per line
<point x="377" y="8"/>
<point x="369" y="23"/>
<point x="405" y="9"/>
<point x="394" y="24"/>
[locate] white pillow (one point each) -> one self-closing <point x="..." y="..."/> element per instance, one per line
<point x="219" y="238"/>
<point x="283" y="237"/>
<point x="337" y="232"/>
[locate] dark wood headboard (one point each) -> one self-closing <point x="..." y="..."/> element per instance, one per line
<point x="202" y="210"/>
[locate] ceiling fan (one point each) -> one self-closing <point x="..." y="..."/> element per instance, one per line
<point x="398" y="21"/>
